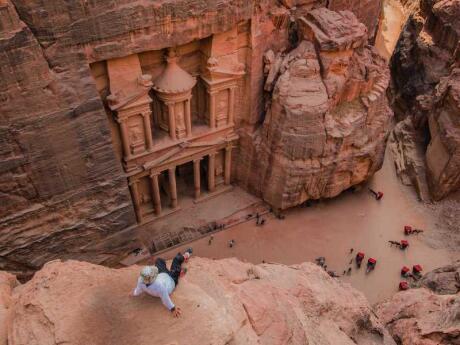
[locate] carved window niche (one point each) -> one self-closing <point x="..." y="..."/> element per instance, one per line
<point x="221" y="83"/>
<point x="174" y="92"/>
<point x="133" y="114"/>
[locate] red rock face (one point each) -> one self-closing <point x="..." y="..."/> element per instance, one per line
<point x="425" y="70"/>
<point x="63" y="189"/>
<point x="326" y="128"/>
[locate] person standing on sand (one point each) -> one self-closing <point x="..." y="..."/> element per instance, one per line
<point x="158" y="281"/>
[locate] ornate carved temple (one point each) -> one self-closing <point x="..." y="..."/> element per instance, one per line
<point x="175" y="125"/>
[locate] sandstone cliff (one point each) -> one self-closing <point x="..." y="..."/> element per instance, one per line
<point x="63" y="190"/>
<point x="327" y="122"/>
<point x="223" y="302"/>
<point x="425" y="95"/>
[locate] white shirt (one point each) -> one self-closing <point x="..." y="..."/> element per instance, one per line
<point x="162" y="287"/>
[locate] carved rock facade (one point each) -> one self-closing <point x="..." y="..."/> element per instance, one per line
<point x="107" y="111"/>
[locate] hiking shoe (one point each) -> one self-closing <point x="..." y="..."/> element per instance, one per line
<point x="188" y="254"/>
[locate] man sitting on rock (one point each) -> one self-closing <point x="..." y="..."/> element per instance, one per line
<point x="160" y="282"/>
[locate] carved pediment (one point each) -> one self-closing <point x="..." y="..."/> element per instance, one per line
<point x="140" y="96"/>
<point x="214" y="71"/>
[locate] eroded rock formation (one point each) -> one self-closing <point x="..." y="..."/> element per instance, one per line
<point x="425" y="91"/>
<point x="223" y="302"/>
<point x="327" y="122"/>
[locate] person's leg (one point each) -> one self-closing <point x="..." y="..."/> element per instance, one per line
<point x="176" y="267"/>
<point x="161" y="265"/>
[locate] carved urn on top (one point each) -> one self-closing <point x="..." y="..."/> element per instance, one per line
<point x="174" y="91"/>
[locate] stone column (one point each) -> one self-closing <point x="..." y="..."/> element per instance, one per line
<point x="148" y="131"/>
<point x="197" y="177"/>
<point x="231" y="106"/>
<point x="212" y="172"/>
<point x="188" y="118"/>
<point x="136" y="201"/>
<point x="228" y="164"/>
<point x="212" y="109"/>
<point x="125" y="138"/>
<point x="156" y="193"/>
<point x="172" y="120"/>
<point x="172" y="186"/>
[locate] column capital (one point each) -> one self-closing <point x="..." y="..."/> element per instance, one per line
<point x="197" y="160"/>
<point x="172" y="169"/>
<point x="133" y="182"/>
<point x="155" y="173"/>
<point x="121" y="120"/>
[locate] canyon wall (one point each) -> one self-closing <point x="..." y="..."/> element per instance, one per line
<point x="64" y="192"/>
<point x="425" y="96"/>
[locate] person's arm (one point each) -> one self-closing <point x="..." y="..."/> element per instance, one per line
<point x="169" y="304"/>
<point x="138" y="290"/>
<point x="166" y="300"/>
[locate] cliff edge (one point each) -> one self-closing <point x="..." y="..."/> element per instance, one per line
<point x="223" y="302"/>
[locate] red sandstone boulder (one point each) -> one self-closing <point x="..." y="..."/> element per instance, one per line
<point x="223" y="302"/>
<point x="420" y="317"/>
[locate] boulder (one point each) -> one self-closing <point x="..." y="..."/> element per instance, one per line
<point x="444" y="280"/>
<point x="421" y="317"/>
<point x="223" y="302"/>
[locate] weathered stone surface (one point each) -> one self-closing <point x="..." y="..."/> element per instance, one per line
<point x="7" y="283"/>
<point x="425" y="81"/>
<point x="444" y="280"/>
<point x="418" y="316"/>
<point x="409" y="157"/>
<point x="222" y="302"/>
<point x="328" y="121"/>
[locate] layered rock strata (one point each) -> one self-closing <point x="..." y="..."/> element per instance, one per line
<point x="328" y="119"/>
<point x="425" y="94"/>
<point x="222" y="302"/>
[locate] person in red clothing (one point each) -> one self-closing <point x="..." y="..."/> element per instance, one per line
<point x="378" y="195"/>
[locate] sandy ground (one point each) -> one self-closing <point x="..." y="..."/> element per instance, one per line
<point x="332" y="227"/>
<point x="393" y="19"/>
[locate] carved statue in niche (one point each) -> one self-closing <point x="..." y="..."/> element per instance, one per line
<point x="136" y="135"/>
<point x="180" y="122"/>
<point x="222" y="108"/>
